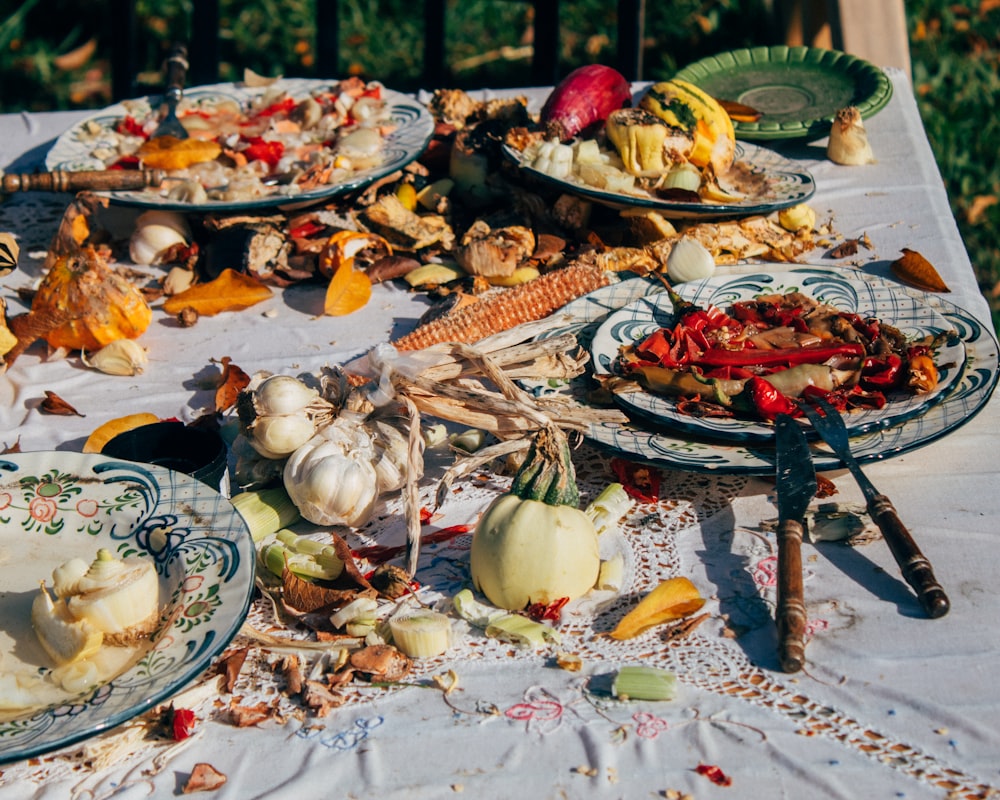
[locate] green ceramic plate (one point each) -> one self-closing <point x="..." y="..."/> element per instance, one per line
<point x="798" y="89"/>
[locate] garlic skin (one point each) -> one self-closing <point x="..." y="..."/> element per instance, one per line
<point x="848" y="144"/>
<point x="689" y="260"/>
<point x="120" y="357"/>
<point x="331" y="479"/>
<point x="155" y="233"/>
<point x="391" y="456"/>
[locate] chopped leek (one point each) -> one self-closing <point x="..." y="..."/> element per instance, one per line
<point x="607" y="509"/>
<point x="266" y="511"/>
<point x="421" y="634"/>
<point x="644" y="683"/>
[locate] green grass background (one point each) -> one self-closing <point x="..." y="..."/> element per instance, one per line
<point x="54" y="54"/>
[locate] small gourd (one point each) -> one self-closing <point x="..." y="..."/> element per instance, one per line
<point x="103" y="305"/>
<point x="534" y="545"/>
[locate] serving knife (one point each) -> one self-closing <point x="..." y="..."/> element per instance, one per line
<point x="796" y="486"/>
<point x="97" y="180"/>
<point x="915" y="566"/>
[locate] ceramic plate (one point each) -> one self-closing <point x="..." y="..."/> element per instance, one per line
<point x="785" y="184"/>
<point x="414" y="127"/>
<point x="868" y="298"/>
<point x="58" y="505"/>
<point x="674" y="450"/>
<point x="798" y="89"/>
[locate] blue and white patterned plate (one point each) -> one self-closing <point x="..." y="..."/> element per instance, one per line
<point x="414" y="127"/>
<point x="785" y="184"/>
<point x="58" y="505"/>
<point x="675" y="450"/>
<point x="845" y="291"/>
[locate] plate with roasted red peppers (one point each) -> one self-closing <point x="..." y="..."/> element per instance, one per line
<point x="721" y="358"/>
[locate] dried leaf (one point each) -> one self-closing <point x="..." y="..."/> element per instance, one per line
<point x="230" y="666"/>
<point x="673" y="599"/>
<point x="54" y="404"/>
<point x="169" y="152"/>
<point x="233" y="381"/>
<point x="349" y="290"/>
<point x="381" y="662"/>
<point x="914" y="269"/>
<point x="246" y="716"/>
<point x="845" y="249"/>
<point x="204" y="778"/>
<point x="231" y="291"/>
<point x="12" y="448"/>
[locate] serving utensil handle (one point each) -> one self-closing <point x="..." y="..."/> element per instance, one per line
<point x="790" y="613"/>
<point x="86" y="180"/>
<point x="916" y="569"/>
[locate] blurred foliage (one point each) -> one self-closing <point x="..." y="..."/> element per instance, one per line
<point x="55" y="54"/>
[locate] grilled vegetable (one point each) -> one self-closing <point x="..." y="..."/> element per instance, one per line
<point x="583" y="100"/>
<point x="684" y="105"/>
<point x="504" y="310"/>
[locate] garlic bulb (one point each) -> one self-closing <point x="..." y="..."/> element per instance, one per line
<point x="331" y="479"/>
<point x="156" y="232"/>
<point x="391" y="455"/>
<point x="689" y="260"/>
<point x="848" y="143"/>
<point x="279" y="413"/>
<point x="120" y="357"/>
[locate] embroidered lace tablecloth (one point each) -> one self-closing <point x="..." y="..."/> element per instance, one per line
<point x="891" y="705"/>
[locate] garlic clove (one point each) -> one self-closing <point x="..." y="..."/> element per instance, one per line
<point x="848" y="144"/>
<point x="280" y="435"/>
<point x="156" y="232"/>
<point x="177" y="280"/>
<point x="120" y="357"/>
<point x="797" y="217"/>
<point x="689" y="260"/>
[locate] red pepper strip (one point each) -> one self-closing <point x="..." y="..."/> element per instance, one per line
<point x="126" y="162"/>
<point x="714" y="774"/>
<point x="425" y="515"/>
<point x="181" y="723"/>
<point x="541" y="612"/>
<point x="640" y="481"/>
<point x="768" y="401"/>
<point x="378" y="554"/>
<point x="262" y="150"/>
<point x="749" y="357"/>
<point x="131" y="126"/>
<point x="881" y="373"/>
<point x="285" y="106"/>
<point x="305" y="230"/>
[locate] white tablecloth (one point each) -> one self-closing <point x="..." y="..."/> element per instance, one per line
<point x="891" y="704"/>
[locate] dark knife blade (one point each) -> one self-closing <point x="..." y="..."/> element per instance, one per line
<point x="796" y="486"/>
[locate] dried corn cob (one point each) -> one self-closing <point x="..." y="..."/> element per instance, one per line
<point x="504" y="310"/>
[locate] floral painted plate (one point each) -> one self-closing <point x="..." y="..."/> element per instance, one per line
<point x="75" y="149"/>
<point x="58" y="505"/>
<point x="866" y="297"/>
<point x="798" y="89"/>
<point x="784" y="184"/>
<point x="676" y="450"/>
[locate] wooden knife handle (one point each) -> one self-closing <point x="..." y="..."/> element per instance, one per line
<point x="93" y="180"/>
<point x="176" y="67"/>
<point x="790" y="614"/>
<point x="917" y="570"/>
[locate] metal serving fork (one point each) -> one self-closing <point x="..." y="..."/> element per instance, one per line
<point x="917" y="570"/>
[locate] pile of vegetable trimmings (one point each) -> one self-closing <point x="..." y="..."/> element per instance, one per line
<point x="767" y="355"/>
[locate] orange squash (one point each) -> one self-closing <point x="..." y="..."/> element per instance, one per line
<point x="102" y="305"/>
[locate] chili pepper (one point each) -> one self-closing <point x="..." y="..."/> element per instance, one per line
<point x="126" y="162"/>
<point x="305" y="230"/>
<point x="768" y="401"/>
<point x="285" y="106"/>
<point x="546" y="611"/>
<point x="260" y="149"/>
<point x="714" y="774"/>
<point x="782" y="356"/>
